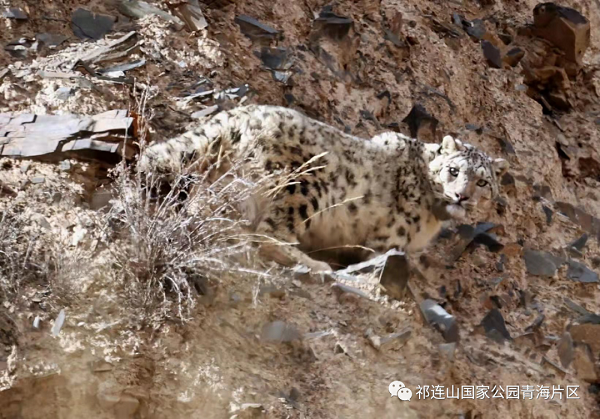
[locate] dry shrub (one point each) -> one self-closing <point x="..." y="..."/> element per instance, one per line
<point x="22" y="259"/>
<point x="23" y="263"/>
<point x="31" y="260"/>
<point x="171" y="247"/>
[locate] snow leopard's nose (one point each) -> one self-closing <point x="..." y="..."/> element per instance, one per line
<point x="460" y="197"/>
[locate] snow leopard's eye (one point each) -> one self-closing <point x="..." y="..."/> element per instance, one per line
<point x="453" y="171"/>
<point x="482" y="182"/>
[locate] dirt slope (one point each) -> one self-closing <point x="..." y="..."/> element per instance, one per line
<point x="362" y="71"/>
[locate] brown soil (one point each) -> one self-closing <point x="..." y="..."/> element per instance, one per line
<point x="105" y="363"/>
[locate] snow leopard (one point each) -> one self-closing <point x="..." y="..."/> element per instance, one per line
<point x="387" y="192"/>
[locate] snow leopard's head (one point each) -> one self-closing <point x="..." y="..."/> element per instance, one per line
<point x="464" y="174"/>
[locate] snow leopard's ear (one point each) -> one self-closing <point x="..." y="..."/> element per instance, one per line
<point x="500" y="167"/>
<point x="433" y="149"/>
<point x="451" y="145"/>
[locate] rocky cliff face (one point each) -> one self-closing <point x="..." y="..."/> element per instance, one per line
<point x="519" y="284"/>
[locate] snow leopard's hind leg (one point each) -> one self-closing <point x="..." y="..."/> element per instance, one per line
<point x="173" y="165"/>
<point x="194" y="150"/>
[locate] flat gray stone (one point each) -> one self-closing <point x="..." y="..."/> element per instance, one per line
<point x="51" y="39"/>
<point x="495" y="327"/>
<point x="579" y="272"/>
<point x="441" y="319"/>
<point x="351" y="290"/>
<point x="580" y="243"/>
<point x="58" y="323"/>
<point x="491" y="54"/>
<point x="14" y="13"/>
<point x="395" y="275"/>
<point x="539" y="263"/>
<point x="205" y="112"/>
<point x="123" y="67"/>
<point x="254" y="29"/>
<point x="88" y="25"/>
<point x="192" y="15"/>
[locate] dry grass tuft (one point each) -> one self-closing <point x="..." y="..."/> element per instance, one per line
<point x="22" y="260"/>
<point x="171" y="248"/>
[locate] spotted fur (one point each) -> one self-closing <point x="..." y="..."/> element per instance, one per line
<point x="388" y="192"/>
